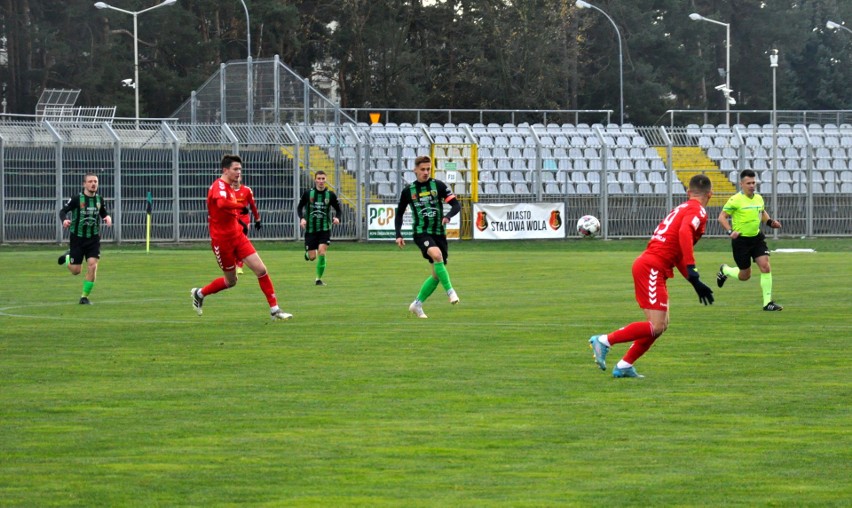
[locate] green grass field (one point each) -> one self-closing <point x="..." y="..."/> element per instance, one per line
<point x="135" y="400"/>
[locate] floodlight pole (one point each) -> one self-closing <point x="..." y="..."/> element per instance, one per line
<point x="135" y="14"/>
<point x="698" y="17"/>
<point x="249" y="76"/>
<point x="586" y="5"/>
<point x="773" y="63"/>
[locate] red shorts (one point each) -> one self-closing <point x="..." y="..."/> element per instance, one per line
<point x="230" y="250"/>
<point x="649" y="282"/>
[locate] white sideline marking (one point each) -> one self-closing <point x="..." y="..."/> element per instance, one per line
<point x="793" y="250"/>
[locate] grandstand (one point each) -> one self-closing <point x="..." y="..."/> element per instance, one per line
<point x="626" y="175"/>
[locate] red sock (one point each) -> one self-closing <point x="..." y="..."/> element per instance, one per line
<point x="268" y="290"/>
<point x="634" y="331"/>
<point x="638" y="349"/>
<point x="214" y="287"/>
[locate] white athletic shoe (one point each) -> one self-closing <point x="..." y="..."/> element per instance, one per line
<point x="197" y="301"/>
<point x="416" y="308"/>
<point x="280" y="315"/>
<point x="454" y="298"/>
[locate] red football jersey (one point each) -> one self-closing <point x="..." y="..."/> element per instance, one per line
<point x="674" y="238"/>
<point x="245" y="197"/>
<point x="222" y="219"/>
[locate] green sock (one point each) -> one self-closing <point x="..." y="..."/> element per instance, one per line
<point x="87" y="287"/>
<point x="443" y="275"/>
<point x="427" y="288"/>
<point x="731" y="271"/>
<point x="766" y="286"/>
<point x="320" y="266"/>
<point x="67" y="259"/>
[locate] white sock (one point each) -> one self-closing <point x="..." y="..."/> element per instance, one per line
<point x="623" y="365"/>
<point x="603" y="339"/>
<point x="273" y="310"/>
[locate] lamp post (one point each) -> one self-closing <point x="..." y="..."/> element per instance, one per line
<point x="773" y="64"/>
<point x="249" y="76"/>
<point x="135" y="14"/>
<point x="586" y="5"/>
<point x="831" y="25"/>
<point x="727" y="91"/>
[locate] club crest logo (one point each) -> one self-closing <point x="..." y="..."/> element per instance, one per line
<point x="481" y="221"/>
<point x="555" y="221"/>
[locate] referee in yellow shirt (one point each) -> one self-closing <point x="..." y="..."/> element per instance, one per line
<point x="747" y="242"/>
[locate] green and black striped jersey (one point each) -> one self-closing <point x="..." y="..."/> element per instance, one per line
<point x="427" y="207"/>
<point x="315" y="207"/>
<point x="86" y="214"/>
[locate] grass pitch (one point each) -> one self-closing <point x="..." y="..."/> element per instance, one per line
<point x="137" y="401"/>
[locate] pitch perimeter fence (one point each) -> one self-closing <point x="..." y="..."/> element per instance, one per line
<point x="42" y="164"/>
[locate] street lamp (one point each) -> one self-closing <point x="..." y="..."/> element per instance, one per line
<point x="773" y="64"/>
<point x="831" y="25"/>
<point x="586" y="5"/>
<point x="727" y="89"/>
<point x="135" y="14"/>
<point x="249" y="76"/>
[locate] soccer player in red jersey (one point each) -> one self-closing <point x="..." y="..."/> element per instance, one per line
<point x="670" y="246"/>
<point x="230" y="243"/>
<point x="245" y="197"/>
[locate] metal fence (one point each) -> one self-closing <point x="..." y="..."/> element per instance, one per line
<point x="42" y="164"/>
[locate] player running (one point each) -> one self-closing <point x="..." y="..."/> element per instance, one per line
<point x="229" y="242"/>
<point x="426" y="197"/>
<point x="747" y="241"/>
<point x="314" y="210"/>
<point x="670" y="246"/>
<point x="87" y="209"/>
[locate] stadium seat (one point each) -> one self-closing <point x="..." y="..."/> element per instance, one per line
<point x="506" y="188"/>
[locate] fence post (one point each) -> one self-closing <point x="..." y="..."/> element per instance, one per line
<point x="117" y="200"/>
<point x="175" y="180"/>
<point x="223" y="103"/>
<point x="2" y="189"/>
<point x="58" y="160"/>
<point x="603" y="185"/>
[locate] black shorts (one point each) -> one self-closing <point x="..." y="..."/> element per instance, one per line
<point x="313" y="240"/>
<point x="427" y="241"/>
<point x="747" y="248"/>
<point x="84" y="248"/>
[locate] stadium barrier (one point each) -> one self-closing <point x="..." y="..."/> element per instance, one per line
<point x="627" y="176"/>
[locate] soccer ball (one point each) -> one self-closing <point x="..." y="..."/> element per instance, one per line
<point x="588" y="226"/>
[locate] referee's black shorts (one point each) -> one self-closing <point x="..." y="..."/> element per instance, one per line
<point x="747" y="248"/>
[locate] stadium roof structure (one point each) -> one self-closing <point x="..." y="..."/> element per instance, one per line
<point x="57" y="105"/>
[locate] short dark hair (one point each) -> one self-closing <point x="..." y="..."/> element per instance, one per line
<point x="420" y="160"/>
<point x="90" y="173"/>
<point x="319" y="172"/>
<point x="700" y="184"/>
<point x="747" y="172"/>
<point x="229" y="159"/>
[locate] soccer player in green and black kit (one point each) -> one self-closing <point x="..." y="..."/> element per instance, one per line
<point x="426" y="197"/>
<point x="87" y="209"/>
<point x="747" y="242"/>
<point x="314" y="211"/>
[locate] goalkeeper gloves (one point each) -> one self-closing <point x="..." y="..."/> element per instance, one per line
<point x="705" y="294"/>
<point x="257" y="224"/>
